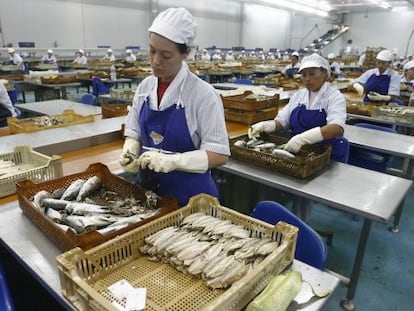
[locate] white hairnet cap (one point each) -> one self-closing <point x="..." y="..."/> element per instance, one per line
<point x="81" y="51"/>
<point x="10" y="50"/>
<point x="50" y="51"/>
<point x="385" y="55"/>
<point x="109" y="50"/>
<point x="315" y="61"/>
<point x="128" y="51"/>
<point x="175" y="24"/>
<point x="331" y="56"/>
<point x="409" y="65"/>
<point x="295" y="54"/>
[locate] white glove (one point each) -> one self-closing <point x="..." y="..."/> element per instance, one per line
<point x="312" y="136"/>
<point x="129" y="156"/>
<point x="192" y="161"/>
<point x="374" y="96"/>
<point x="263" y="126"/>
<point x="297" y="76"/>
<point x="358" y="88"/>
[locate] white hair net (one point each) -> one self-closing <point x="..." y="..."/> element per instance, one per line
<point x="315" y="61"/>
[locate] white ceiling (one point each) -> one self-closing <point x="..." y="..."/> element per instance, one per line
<point x="350" y="6"/>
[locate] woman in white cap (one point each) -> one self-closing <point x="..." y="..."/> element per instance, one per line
<point x="49" y="58"/>
<point x="381" y="83"/>
<point x="315" y="114"/>
<point x="408" y="80"/>
<point x="335" y="68"/>
<point x="6" y="106"/>
<point x="205" y="56"/>
<point x="109" y="55"/>
<point x="15" y="59"/>
<point x="80" y="58"/>
<point x="293" y="68"/>
<point x="175" y="131"/>
<point x="130" y="57"/>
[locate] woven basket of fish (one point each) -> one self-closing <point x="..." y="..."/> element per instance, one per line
<point x="203" y="256"/>
<point x="28" y="125"/>
<point x="266" y="152"/>
<point x="24" y="163"/>
<point x="250" y="101"/>
<point x="250" y="117"/>
<point x="58" y="79"/>
<point x="88" y="208"/>
<point x="110" y="110"/>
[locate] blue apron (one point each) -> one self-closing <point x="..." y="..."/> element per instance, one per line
<point x="291" y="72"/>
<point x="302" y="119"/>
<point x="379" y="84"/>
<point x="168" y="130"/>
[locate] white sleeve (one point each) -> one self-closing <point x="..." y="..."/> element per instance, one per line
<point x="336" y="109"/>
<point x="394" y="88"/>
<point x="5" y="100"/>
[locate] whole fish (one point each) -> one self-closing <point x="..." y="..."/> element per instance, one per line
<point x="56" y="204"/>
<point x="54" y="215"/>
<point x="283" y="153"/>
<point x="72" y="191"/>
<point x="90" y="186"/>
<point x="80" y="224"/>
<point x="39" y="197"/>
<point x="80" y="208"/>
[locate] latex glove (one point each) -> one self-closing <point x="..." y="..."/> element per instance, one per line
<point x="129" y="156"/>
<point x="374" y="96"/>
<point x="192" y="161"/>
<point x="263" y="126"/>
<point x="358" y="88"/>
<point x="312" y="136"/>
<point x="297" y="76"/>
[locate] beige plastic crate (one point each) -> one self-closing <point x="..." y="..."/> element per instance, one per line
<point x="33" y="165"/>
<point x="85" y="276"/>
<point x="398" y="114"/>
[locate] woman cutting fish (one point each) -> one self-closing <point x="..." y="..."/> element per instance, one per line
<point x="175" y="131"/>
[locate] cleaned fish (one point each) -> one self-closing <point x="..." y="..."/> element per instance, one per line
<point x="56" y="204"/>
<point x="39" y="197"/>
<point x="282" y="153"/>
<point x="80" y="208"/>
<point x="54" y="215"/>
<point x="91" y="185"/>
<point x="234" y="272"/>
<point x="80" y="224"/>
<point x="72" y="191"/>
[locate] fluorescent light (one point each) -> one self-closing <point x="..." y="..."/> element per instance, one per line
<point x="302" y="7"/>
<point x="399" y="8"/>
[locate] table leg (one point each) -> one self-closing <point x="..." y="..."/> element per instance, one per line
<point x="347" y="303"/>
<point x="397" y="216"/>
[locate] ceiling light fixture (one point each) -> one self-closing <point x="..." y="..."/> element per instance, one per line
<point x="320" y="8"/>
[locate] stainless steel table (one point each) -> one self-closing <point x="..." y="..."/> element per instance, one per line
<point x="53" y="107"/>
<point x="37" y="254"/>
<point x="372" y="119"/>
<point x="372" y="195"/>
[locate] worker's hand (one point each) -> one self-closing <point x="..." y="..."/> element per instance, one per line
<point x="376" y="97"/>
<point x="129" y="156"/>
<point x="297" y="76"/>
<point x="192" y="161"/>
<point x="259" y="127"/>
<point x="358" y="88"/>
<point x="308" y="137"/>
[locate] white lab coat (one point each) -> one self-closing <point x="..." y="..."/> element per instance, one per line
<point x="205" y="57"/>
<point x="109" y="57"/>
<point x="81" y="60"/>
<point x="16" y="59"/>
<point x="130" y="58"/>
<point x="327" y="98"/>
<point x="204" y="110"/>
<point x="49" y="59"/>
<point x="229" y="57"/>
<point x="5" y="100"/>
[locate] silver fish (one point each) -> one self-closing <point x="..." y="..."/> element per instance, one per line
<point x="56" y="204"/>
<point x="39" y="197"/>
<point x="282" y="153"/>
<point x="93" y="184"/>
<point x="72" y="191"/>
<point x="54" y="215"/>
<point x="80" y="208"/>
<point x="80" y="224"/>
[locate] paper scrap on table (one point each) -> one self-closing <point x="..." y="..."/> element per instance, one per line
<point x="135" y="297"/>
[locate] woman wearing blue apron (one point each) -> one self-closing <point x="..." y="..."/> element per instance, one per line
<point x="290" y="70"/>
<point x="408" y="80"/>
<point x="175" y="131"/>
<point x="315" y="114"/>
<point x="382" y="84"/>
<point x="6" y="106"/>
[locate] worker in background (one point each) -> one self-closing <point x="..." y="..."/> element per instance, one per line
<point x="130" y="57"/>
<point x="175" y="131"/>
<point x="314" y="114"/>
<point x="270" y="56"/>
<point x="15" y="59"/>
<point x="242" y="55"/>
<point x="381" y="84"/>
<point x="361" y="61"/>
<point x="109" y="55"/>
<point x="6" y="106"/>
<point x="293" y="68"/>
<point x="80" y="58"/>
<point x="217" y="55"/>
<point x="335" y="68"/>
<point x="205" y="56"/>
<point x="230" y="56"/>
<point x="49" y="58"/>
<point x="407" y="77"/>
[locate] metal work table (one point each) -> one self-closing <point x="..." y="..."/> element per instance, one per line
<point x="37" y="254"/>
<point x="372" y="119"/>
<point x="53" y="107"/>
<point x="40" y="88"/>
<point x="65" y="139"/>
<point x="372" y="195"/>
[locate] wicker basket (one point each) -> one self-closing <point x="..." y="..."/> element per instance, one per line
<point x="310" y="160"/>
<point x="33" y="165"/>
<point x="110" y="110"/>
<point x="60" y="79"/>
<point x="85" y="276"/>
<point x="246" y="102"/>
<point x="68" y="240"/>
<point x="28" y="125"/>
<point x="250" y="117"/>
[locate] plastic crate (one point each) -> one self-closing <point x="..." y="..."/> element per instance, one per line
<point x="85" y="276"/>
<point x="33" y="165"/>
<point x="66" y="240"/>
<point x="28" y="125"/>
<point x="395" y="114"/>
